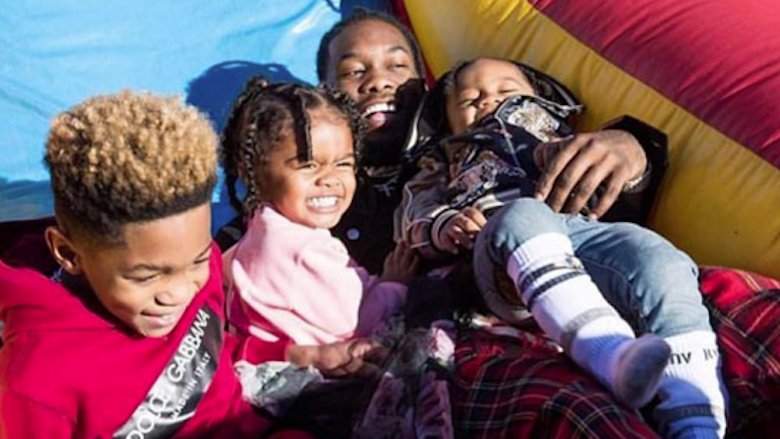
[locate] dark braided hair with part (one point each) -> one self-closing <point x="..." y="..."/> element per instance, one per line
<point x="261" y="118"/>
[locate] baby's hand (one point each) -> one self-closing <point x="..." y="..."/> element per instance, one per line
<point x="461" y="230"/>
<point x="401" y="264"/>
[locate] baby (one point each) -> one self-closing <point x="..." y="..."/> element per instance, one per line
<point x="581" y="279"/>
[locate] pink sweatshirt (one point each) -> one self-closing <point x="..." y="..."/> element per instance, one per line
<point x="290" y="282"/>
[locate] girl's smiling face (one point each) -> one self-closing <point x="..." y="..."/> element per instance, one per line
<point x="314" y="193"/>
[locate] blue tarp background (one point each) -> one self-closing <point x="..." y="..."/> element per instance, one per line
<point x="55" y="53"/>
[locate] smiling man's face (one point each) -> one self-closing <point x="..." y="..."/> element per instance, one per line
<point x="372" y="62"/>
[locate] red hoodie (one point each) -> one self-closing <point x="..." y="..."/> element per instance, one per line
<point x="69" y="369"/>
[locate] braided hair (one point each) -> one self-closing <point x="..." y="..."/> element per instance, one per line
<point x="261" y="118"/>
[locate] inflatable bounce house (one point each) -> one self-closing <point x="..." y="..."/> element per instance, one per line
<point x="708" y="76"/>
<point x="705" y="73"/>
<point x="57" y="53"/>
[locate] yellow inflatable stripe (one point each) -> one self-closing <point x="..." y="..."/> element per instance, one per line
<point x="719" y="201"/>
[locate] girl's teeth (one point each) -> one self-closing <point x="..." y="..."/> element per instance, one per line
<point x="322" y="201"/>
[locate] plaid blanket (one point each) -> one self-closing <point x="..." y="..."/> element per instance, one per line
<point x="522" y="386"/>
<point x="519" y="385"/>
<point x="745" y="312"/>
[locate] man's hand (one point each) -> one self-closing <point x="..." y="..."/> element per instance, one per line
<point x="573" y="168"/>
<point x="461" y="229"/>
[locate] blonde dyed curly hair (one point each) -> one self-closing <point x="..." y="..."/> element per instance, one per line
<point x="129" y="157"/>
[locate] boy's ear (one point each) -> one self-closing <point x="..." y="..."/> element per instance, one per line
<point x="62" y="249"/>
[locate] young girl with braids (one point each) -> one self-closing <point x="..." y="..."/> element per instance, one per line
<point x="295" y="148"/>
<point x="581" y="280"/>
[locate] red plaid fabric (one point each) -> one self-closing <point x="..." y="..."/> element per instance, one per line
<point x="522" y="387"/>
<point x="745" y="311"/>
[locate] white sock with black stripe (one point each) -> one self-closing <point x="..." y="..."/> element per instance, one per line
<point x="692" y="394"/>
<point x="568" y="306"/>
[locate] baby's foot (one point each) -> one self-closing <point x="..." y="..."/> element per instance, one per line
<point x="639" y="369"/>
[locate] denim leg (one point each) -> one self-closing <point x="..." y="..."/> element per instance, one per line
<point x="505" y="231"/>
<point x="650" y="283"/>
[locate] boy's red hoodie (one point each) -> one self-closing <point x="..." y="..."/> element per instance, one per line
<point x="69" y="369"/>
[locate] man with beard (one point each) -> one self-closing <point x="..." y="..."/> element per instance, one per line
<point x="377" y="61"/>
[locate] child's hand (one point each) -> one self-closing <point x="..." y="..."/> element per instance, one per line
<point x="461" y="230"/>
<point x="401" y="264"/>
<point x="357" y="357"/>
<point x="368" y="350"/>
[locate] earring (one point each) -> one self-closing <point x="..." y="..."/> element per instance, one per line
<point x="58" y="273"/>
<point x="68" y="260"/>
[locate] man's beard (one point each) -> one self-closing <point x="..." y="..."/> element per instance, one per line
<point x="382" y="152"/>
<point x="385" y="146"/>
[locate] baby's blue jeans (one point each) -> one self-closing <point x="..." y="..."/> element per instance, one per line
<point x="652" y="285"/>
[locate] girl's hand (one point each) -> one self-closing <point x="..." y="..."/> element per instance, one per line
<point x="461" y="230"/>
<point x="401" y="264"/>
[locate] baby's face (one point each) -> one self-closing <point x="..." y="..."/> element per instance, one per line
<point x="479" y="88"/>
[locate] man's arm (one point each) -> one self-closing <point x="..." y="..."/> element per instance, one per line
<point x="637" y="197"/>
<point x="606" y="170"/>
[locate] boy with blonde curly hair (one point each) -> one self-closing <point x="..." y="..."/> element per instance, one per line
<point x="126" y="338"/>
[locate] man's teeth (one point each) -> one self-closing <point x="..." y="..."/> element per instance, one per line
<point x="384" y="107"/>
<point x="322" y="201"/>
